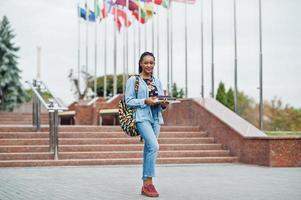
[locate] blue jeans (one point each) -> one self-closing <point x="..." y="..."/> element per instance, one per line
<point x="149" y="132"/>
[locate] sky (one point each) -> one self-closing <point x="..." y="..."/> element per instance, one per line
<point x="53" y="25"/>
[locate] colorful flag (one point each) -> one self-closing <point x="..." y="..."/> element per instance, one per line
<point x="135" y="14"/>
<point x="96" y="8"/>
<point x="166" y="3"/>
<point x="121" y="16"/>
<point x="91" y="15"/>
<point x="158" y="2"/>
<point x="132" y="5"/>
<point x="82" y="13"/>
<point x="149" y="10"/>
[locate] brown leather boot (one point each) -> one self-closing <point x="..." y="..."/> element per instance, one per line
<point x="149" y="190"/>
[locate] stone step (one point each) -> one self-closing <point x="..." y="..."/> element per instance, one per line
<point x="118" y="161"/>
<point x="111" y="154"/>
<point x="22" y="122"/>
<point x="71" y="128"/>
<point x="12" y="135"/>
<point x="139" y="154"/>
<point x="138" y="147"/>
<point x="85" y="141"/>
<point x="12" y="117"/>
<point x="27" y="156"/>
<point x="17" y="115"/>
<point x="24" y="148"/>
<point x="106" y="147"/>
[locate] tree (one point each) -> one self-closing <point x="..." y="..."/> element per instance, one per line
<point x="45" y="95"/>
<point x="11" y="89"/>
<point x="230" y="99"/>
<point x="177" y="93"/>
<point x="110" y="81"/>
<point x="281" y="117"/>
<point x="221" y="94"/>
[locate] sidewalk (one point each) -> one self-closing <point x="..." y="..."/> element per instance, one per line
<point x="195" y="182"/>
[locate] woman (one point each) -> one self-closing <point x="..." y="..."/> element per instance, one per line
<point x="148" y="116"/>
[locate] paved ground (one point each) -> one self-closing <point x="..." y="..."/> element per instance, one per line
<point x="196" y="182"/>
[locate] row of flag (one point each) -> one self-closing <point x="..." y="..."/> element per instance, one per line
<point x="121" y="10"/>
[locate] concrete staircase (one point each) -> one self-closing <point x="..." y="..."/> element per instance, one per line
<point x="90" y="145"/>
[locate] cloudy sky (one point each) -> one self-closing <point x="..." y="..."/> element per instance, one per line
<point x="53" y="25"/>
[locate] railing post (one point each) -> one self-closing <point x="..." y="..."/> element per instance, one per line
<point x="56" y="138"/>
<point x="38" y="109"/>
<point x="51" y="128"/>
<point x="34" y="100"/>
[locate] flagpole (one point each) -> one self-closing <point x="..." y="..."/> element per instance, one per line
<point x="153" y="28"/>
<point x="212" y="52"/>
<point x="167" y="42"/>
<point x="123" y="60"/>
<point x="171" y="46"/>
<point x="78" y="45"/>
<point x="134" y="42"/>
<point x="115" y="53"/>
<point x="260" y="70"/>
<point x="186" y="61"/>
<point x="87" y="21"/>
<point x="158" y="43"/>
<point x="105" y="60"/>
<point x="139" y="30"/>
<point x="145" y="36"/>
<point x="95" y="67"/>
<point x="39" y="50"/>
<point x="127" y="46"/>
<point x="202" y="45"/>
<point x="235" y="57"/>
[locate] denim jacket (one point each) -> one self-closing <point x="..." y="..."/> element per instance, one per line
<point x="143" y="111"/>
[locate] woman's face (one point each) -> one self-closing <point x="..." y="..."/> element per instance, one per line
<point x="147" y="64"/>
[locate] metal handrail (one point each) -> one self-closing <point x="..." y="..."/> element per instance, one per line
<point x="53" y="106"/>
<point x="47" y="106"/>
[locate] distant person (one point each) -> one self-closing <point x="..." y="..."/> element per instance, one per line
<point x="148" y="116"/>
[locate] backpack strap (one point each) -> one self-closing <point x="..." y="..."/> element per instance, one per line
<point x="136" y="91"/>
<point x="136" y="85"/>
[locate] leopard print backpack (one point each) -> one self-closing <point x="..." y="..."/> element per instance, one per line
<point x="126" y="114"/>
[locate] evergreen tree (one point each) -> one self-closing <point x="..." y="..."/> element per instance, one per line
<point x="110" y="82"/>
<point x="11" y="93"/>
<point x="230" y="99"/>
<point x="176" y="92"/>
<point x="221" y="94"/>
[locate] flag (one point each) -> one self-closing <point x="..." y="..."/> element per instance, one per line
<point x="132" y="5"/>
<point x="91" y="15"/>
<point x="149" y="10"/>
<point x="158" y="2"/>
<point x="96" y="8"/>
<point x="166" y="3"/>
<point x="109" y="4"/>
<point x="102" y="10"/>
<point x="135" y="14"/>
<point x="120" y="16"/>
<point x="82" y="13"/>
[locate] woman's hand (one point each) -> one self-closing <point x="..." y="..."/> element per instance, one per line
<point x="164" y="104"/>
<point x="151" y="101"/>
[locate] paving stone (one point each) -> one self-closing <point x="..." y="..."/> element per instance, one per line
<point x="194" y="181"/>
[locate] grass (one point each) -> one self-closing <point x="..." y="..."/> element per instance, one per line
<point x="283" y="133"/>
